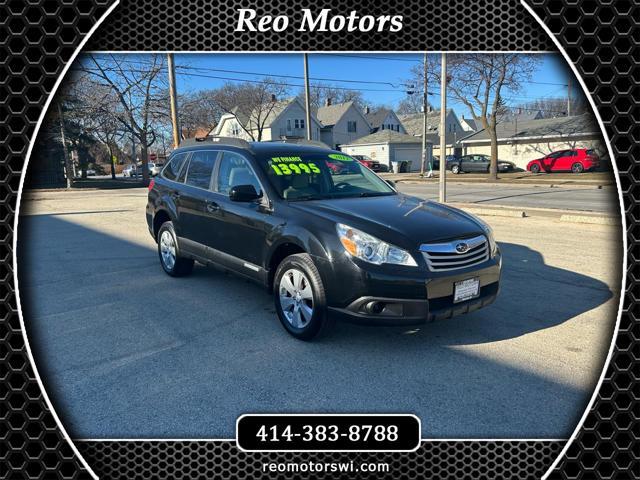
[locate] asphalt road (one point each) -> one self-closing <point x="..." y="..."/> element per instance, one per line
<point x="604" y="200"/>
<point x="127" y="352"/>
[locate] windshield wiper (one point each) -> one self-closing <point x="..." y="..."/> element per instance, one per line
<point x="375" y="194"/>
<point x="303" y="198"/>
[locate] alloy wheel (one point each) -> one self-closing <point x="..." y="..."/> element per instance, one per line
<point x="296" y="298"/>
<point x="168" y="249"/>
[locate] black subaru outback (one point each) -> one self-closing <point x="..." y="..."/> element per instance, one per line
<point x="329" y="237"/>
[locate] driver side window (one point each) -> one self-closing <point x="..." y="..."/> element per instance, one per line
<point x="235" y="170"/>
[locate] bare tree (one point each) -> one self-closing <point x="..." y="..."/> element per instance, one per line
<point x="199" y="110"/>
<point x="138" y="87"/>
<point x="479" y="81"/>
<point x="321" y="92"/>
<point x="251" y="103"/>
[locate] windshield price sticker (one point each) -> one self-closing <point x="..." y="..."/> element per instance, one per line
<point x="294" y="168"/>
<point x="342" y="158"/>
<point x="330" y="432"/>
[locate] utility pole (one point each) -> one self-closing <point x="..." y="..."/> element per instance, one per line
<point x="443" y="129"/>
<point x="569" y="97"/>
<point x="425" y="109"/>
<point x="68" y="168"/>
<point x="173" y="100"/>
<point x="307" y="95"/>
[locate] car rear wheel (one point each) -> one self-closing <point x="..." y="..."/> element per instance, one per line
<point x="535" y="168"/>
<point x="300" y="298"/>
<point x="577" y="168"/>
<point x="455" y="169"/>
<point x="172" y="263"/>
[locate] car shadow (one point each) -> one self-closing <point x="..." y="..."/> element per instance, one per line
<point x="533" y="296"/>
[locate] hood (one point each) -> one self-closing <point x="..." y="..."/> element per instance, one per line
<point x="402" y="220"/>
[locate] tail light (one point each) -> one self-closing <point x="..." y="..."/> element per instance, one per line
<point x="151" y="183"/>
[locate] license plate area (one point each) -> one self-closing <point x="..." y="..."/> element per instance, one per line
<point x="466" y="289"/>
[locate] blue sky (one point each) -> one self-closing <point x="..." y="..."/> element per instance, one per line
<point x="389" y="69"/>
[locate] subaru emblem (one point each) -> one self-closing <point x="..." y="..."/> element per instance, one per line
<point x="462" y="247"/>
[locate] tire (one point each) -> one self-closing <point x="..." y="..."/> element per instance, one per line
<point x="535" y="168"/>
<point x="577" y="168"/>
<point x="172" y="263"/>
<point x="304" y="315"/>
<point x="455" y="169"/>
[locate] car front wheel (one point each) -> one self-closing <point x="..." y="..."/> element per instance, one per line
<point x="455" y="169"/>
<point x="535" y="168"/>
<point x="300" y="298"/>
<point x="172" y="263"/>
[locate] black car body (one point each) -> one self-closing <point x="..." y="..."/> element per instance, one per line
<point x="477" y="163"/>
<point x="366" y="252"/>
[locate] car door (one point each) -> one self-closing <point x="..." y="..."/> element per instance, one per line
<point x="466" y="163"/>
<point x="551" y="161"/>
<point x="242" y="226"/>
<point x="566" y="160"/>
<point x="196" y="203"/>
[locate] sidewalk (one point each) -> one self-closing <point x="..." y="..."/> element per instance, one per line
<point x="589" y="179"/>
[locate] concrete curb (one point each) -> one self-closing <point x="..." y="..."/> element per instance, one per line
<point x="496" y="212"/>
<point x="592" y="219"/>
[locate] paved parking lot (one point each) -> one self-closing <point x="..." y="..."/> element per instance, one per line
<point x="126" y="351"/>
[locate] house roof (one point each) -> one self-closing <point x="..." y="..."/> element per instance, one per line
<point x="275" y="112"/>
<point x="471" y="122"/>
<point x="579" y="125"/>
<point x="331" y="114"/>
<point x="386" y="136"/>
<point x="376" y="118"/>
<point x="413" y="122"/>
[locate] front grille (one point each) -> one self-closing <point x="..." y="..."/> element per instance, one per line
<point x="456" y="254"/>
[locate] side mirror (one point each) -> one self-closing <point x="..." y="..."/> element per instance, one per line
<point x="391" y="183"/>
<point x="243" y="193"/>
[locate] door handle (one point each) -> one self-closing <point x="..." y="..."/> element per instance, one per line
<point x="175" y="194"/>
<point x="212" y="207"/>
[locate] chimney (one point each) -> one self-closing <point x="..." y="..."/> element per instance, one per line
<point x="463" y="116"/>
<point x="327" y="102"/>
<point x="274" y="98"/>
<point x="367" y="110"/>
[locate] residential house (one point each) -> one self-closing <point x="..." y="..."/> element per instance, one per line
<point x="285" y="119"/>
<point x="390" y="148"/>
<point x="469" y="124"/>
<point x="341" y="123"/>
<point x="523" y="141"/>
<point x="413" y="124"/>
<point x="383" y="119"/>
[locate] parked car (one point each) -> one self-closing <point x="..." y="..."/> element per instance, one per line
<point x="368" y="162"/>
<point x="576" y="160"/>
<point x="478" y="163"/>
<point x="328" y="247"/>
<point x="435" y="161"/>
<point x="154" y="168"/>
<point x="91" y="172"/>
<point x="129" y="171"/>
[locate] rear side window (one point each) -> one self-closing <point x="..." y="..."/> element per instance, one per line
<point x="172" y="170"/>
<point x="201" y="168"/>
<point x="591" y="151"/>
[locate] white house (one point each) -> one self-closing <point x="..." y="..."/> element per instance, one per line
<point x="413" y="125"/>
<point x="390" y="148"/>
<point x="341" y="123"/>
<point x="469" y="125"/>
<point x="523" y="141"/>
<point x="383" y="119"/>
<point x="280" y="120"/>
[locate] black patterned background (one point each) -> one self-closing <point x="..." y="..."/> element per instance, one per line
<point x="39" y="37"/>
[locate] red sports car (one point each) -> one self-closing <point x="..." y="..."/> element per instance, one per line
<point x="576" y="160"/>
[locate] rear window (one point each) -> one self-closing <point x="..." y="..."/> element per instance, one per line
<point x="172" y="170"/>
<point x="591" y="151"/>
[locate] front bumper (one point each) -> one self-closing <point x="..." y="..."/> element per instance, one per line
<point x="411" y="300"/>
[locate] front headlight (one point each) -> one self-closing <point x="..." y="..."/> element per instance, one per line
<point x="493" y="246"/>
<point x="371" y="249"/>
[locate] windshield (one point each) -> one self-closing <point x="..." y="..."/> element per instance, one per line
<point x="321" y="176"/>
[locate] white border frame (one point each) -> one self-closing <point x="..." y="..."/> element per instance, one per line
<point x="623" y="223"/>
<point x="368" y="52"/>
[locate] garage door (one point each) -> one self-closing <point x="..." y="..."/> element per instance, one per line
<point x="406" y="154"/>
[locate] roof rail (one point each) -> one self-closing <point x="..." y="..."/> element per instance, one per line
<point x="303" y="141"/>
<point x="230" y="141"/>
